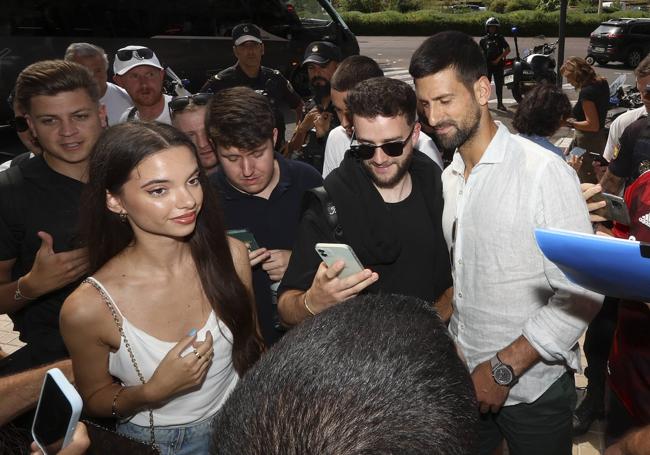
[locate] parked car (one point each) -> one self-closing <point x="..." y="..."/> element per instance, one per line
<point x="620" y="40"/>
<point x="193" y="38"/>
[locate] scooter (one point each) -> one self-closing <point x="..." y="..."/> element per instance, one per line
<point x="535" y="66"/>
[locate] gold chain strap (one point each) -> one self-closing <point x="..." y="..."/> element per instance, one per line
<point x="107" y="300"/>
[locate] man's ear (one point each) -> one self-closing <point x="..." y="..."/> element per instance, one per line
<point x="103" y="117"/>
<point x="262" y="48"/>
<point x="118" y="80"/>
<point x="275" y="136"/>
<point x="415" y="137"/>
<point x="482" y="90"/>
<point x="113" y="203"/>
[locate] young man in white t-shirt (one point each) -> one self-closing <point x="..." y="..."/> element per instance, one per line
<point x="94" y="58"/>
<point x="138" y="71"/>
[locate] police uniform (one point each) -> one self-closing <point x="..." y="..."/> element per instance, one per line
<point x="494" y="45"/>
<point x="269" y="81"/>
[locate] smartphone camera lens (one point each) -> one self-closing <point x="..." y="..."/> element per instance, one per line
<point x="322" y="253"/>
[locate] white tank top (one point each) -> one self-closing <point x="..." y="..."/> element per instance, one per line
<point x="149" y="351"/>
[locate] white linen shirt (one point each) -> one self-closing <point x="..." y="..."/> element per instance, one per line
<point x="504" y="286"/>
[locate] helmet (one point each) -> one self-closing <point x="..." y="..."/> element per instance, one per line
<point x="493" y="21"/>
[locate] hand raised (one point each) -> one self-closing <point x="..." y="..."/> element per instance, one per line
<point x="178" y="373"/>
<point x="52" y="270"/>
<point x="328" y="289"/>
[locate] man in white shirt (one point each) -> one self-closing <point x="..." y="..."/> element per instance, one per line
<point x="349" y="73"/>
<point x="94" y="58"/>
<point x="138" y="71"/>
<point x="517" y="319"/>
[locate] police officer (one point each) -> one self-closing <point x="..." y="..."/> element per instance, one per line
<point x="248" y="71"/>
<point x="495" y="48"/>
<point x="309" y="139"/>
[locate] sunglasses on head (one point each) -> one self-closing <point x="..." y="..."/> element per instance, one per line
<point x="142" y="54"/>
<point x="367" y="151"/>
<point x="19" y="123"/>
<point x="181" y="102"/>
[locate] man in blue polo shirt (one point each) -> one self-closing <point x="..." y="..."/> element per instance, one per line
<point x="260" y="190"/>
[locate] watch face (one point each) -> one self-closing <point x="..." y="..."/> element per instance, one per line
<point x="502" y="375"/>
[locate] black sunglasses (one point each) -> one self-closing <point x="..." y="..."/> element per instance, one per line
<point x="181" y="102"/>
<point x="19" y="123"/>
<point x="367" y="151"/>
<point x="142" y="54"/>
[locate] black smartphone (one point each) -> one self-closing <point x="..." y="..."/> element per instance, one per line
<point x="57" y="413"/>
<point x="245" y="236"/>
<point x="598" y="157"/>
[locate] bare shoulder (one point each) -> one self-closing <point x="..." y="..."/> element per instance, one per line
<point x="83" y="307"/>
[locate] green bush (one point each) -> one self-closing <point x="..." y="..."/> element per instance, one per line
<point x="428" y="22"/>
<point x="520" y="5"/>
<point x="364" y="6"/>
<point x="498" y="6"/>
<point x="405" y="6"/>
<point x="548" y="5"/>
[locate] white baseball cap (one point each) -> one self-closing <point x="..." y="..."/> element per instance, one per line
<point x="129" y="57"/>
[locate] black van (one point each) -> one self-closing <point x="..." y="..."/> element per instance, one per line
<point x="192" y="36"/>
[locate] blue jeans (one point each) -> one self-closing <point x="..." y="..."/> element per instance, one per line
<point x="187" y="439"/>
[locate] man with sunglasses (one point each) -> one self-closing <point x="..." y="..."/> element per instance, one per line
<point x="388" y="200"/>
<point x="188" y="115"/>
<point x="351" y="71"/>
<point x="248" y="71"/>
<point x="516" y="317"/>
<point x="138" y="71"/>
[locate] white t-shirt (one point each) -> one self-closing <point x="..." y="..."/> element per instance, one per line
<point x="116" y="101"/>
<point x="164" y="116"/>
<point x="617" y="127"/>
<point x="338" y="143"/>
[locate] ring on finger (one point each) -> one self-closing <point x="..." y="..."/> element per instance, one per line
<point x="196" y="353"/>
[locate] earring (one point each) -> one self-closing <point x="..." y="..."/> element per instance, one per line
<point x="123" y="217"/>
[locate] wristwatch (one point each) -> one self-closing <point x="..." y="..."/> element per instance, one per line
<point x="503" y="374"/>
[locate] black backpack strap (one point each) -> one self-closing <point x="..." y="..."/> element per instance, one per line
<point x="320" y="196"/>
<point x="131" y="116"/>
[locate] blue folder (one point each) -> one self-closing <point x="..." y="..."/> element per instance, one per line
<point x="606" y="265"/>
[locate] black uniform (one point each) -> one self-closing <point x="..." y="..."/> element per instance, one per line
<point x="494" y="45"/>
<point x="269" y="81"/>
<point x="313" y="150"/>
<point x="632" y="156"/>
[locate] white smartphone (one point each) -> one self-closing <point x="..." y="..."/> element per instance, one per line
<point x="57" y="413"/>
<point x="332" y="252"/>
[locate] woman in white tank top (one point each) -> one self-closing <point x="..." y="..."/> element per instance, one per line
<point x="168" y="310"/>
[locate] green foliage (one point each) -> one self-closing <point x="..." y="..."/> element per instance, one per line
<point x="498" y="6"/>
<point x="364" y="6"/>
<point x="548" y="5"/>
<point x="405" y="6"/>
<point x="428" y="22"/>
<point x="520" y="5"/>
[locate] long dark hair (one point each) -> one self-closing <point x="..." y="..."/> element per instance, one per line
<point x="117" y="152"/>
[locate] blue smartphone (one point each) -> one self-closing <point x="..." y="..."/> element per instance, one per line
<point x="577" y="151"/>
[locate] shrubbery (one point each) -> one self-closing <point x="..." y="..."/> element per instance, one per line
<point x="428" y="22"/>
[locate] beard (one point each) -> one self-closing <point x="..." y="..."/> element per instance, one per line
<point x="402" y="168"/>
<point x="465" y="130"/>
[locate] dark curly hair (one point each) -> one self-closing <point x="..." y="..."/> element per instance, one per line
<point x="542" y="110"/>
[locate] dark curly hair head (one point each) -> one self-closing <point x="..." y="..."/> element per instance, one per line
<point x="542" y="111"/>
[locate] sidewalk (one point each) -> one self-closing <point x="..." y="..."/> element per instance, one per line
<point x="589" y="444"/>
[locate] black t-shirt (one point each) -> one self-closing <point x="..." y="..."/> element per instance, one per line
<point x="414" y="271"/>
<point x="43" y="200"/>
<point x="273" y="222"/>
<point x="598" y="93"/>
<point x="633" y="150"/>
<point x="493" y="46"/>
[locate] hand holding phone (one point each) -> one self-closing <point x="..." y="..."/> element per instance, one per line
<point x="333" y="283"/>
<point x="597" y="157"/>
<point x="245" y="236"/>
<point x="577" y="151"/>
<point x="57" y="413"/>
<point x="615" y="208"/>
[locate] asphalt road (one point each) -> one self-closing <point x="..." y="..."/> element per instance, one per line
<point x="393" y="53"/>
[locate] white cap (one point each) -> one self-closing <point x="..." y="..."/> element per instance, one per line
<point x="121" y="67"/>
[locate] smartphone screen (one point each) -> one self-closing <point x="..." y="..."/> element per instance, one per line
<point x="52" y="418"/>
<point x="577" y="151"/>
<point x="246" y="237"/>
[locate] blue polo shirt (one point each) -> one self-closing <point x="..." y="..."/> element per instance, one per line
<point x="273" y="221"/>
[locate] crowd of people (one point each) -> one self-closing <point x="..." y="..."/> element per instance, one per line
<point x="160" y="251"/>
